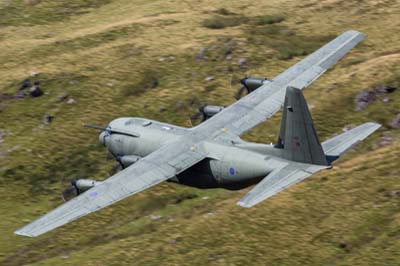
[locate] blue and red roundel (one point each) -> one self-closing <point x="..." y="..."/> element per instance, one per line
<point x="231" y="171"/>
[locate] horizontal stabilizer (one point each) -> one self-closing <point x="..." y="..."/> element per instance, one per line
<point x="336" y="146"/>
<point x="286" y="175"/>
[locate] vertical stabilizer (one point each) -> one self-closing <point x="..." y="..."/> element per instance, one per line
<point x="297" y="136"/>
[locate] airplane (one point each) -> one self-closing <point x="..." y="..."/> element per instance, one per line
<point x="212" y="154"/>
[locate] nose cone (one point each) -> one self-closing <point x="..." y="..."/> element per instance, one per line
<point x="102" y="138"/>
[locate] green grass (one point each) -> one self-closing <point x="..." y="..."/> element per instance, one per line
<point x="150" y="80"/>
<point x="268" y="19"/>
<point x="18" y="13"/>
<point x="285" y="41"/>
<point x="108" y="56"/>
<point x="226" y="18"/>
<point x="220" y="22"/>
<point x="89" y="41"/>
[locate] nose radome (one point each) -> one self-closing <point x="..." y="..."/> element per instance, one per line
<point x="102" y="138"/>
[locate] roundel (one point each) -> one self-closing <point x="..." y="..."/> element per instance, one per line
<point x="231" y="171"/>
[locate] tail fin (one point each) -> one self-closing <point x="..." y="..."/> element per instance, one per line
<point x="297" y="136"/>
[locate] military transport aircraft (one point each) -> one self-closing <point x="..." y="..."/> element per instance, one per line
<point x="211" y="154"/>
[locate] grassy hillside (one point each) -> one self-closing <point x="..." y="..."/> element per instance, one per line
<point x="150" y="59"/>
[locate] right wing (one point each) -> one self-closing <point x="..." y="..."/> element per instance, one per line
<point x="261" y="104"/>
<point x="159" y="166"/>
<point x="285" y="175"/>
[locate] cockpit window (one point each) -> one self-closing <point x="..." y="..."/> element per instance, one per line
<point x="146" y="123"/>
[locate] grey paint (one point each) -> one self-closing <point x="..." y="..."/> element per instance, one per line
<point x="337" y="145"/>
<point x="212" y="153"/>
<point x="298" y="138"/>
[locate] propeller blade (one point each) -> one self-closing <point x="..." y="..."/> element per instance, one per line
<point x="70" y="190"/>
<point x="115" y="169"/>
<point x="196" y="116"/>
<point x="240" y="92"/>
<point x="69" y="193"/>
<point x="123" y="132"/>
<point x="95" y="127"/>
<point x="109" y="156"/>
<point x="113" y="130"/>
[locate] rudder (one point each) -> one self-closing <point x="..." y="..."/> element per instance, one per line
<point x="297" y="135"/>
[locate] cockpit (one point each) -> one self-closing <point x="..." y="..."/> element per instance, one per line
<point x="137" y="136"/>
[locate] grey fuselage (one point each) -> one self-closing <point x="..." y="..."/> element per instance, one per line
<point x="235" y="163"/>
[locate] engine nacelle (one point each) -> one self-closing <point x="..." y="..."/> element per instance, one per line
<point x="77" y="187"/>
<point x="206" y="112"/>
<point x="211" y="110"/>
<point x="252" y="83"/>
<point x="128" y="160"/>
<point x="85" y="184"/>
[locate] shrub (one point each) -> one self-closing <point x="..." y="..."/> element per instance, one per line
<point x="220" y="22"/>
<point x="224" y="12"/>
<point x="268" y="19"/>
<point x="149" y="80"/>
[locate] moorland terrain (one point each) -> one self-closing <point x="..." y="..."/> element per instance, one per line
<point x="98" y="60"/>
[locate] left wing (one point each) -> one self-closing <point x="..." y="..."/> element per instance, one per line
<point x="159" y="166"/>
<point x="285" y="175"/>
<point x="261" y="104"/>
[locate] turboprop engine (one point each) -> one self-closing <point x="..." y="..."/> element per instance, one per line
<point x="77" y="187"/>
<point x="206" y="112"/>
<point x="250" y="84"/>
<point x="128" y="160"/>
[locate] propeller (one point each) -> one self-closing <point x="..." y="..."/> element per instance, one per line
<point x="76" y="186"/>
<point x="117" y="166"/>
<point x="71" y="190"/>
<point x="110" y="130"/>
<point x="198" y="117"/>
<point x="110" y="155"/>
<point x="115" y="169"/>
<point x="249" y="84"/>
<point x="239" y="94"/>
<point x="205" y="112"/>
<point x="242" y="90"/>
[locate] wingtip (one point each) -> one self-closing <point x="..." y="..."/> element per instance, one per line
<point x="22" y="233"/>
<point x="242" y="204"/>
<point x="355" y="32"/>
<point x="374" y="125"/>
